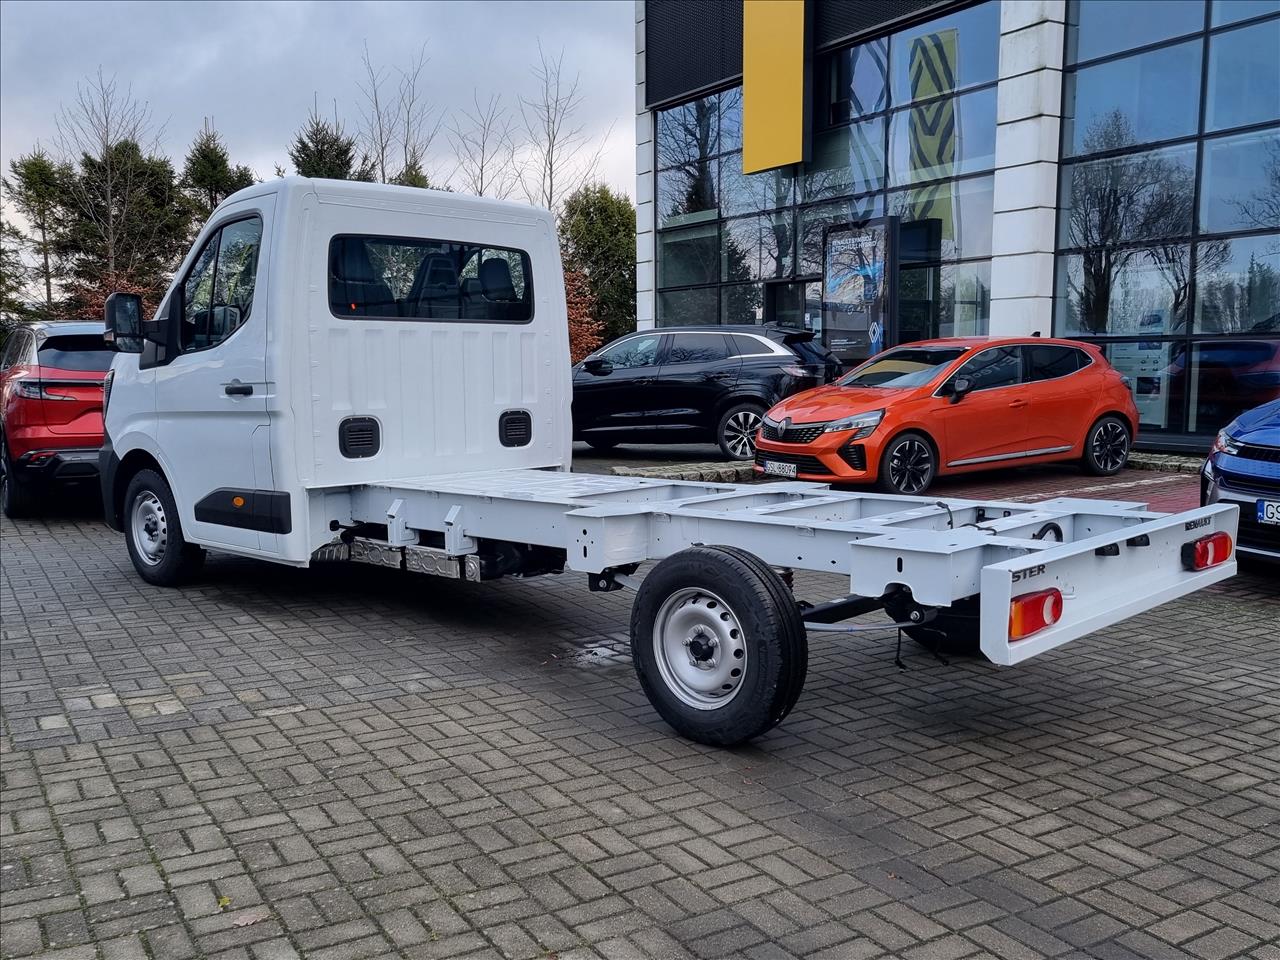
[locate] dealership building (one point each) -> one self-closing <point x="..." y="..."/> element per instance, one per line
<point x="883" y="171"/>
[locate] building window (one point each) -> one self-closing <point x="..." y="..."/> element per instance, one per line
<point x="1156" y="93"/>
<point x="1098" y="28"/>
<point x="1169" y="198"/>
<point x="905" y="125"/>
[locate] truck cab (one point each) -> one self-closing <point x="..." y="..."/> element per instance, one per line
<point x="327" y="333"/>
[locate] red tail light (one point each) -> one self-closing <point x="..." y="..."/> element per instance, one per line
<point x="1207" y="551"/>
<point x="1032" y="612"/>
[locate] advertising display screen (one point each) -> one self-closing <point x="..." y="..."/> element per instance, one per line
<point x="855" y="291"/>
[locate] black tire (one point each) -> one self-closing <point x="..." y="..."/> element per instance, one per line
<point x="150" y="515"/>
<point x="736" y="431"/>
<point x="908" y="465"/>
<point x="955" y="631"/>
<point x="17" y="498"/>
<point x="596" y="443"/>
<point x="1106" y="447"/>
<point x="727" y="589"/>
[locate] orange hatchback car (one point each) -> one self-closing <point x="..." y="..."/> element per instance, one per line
<point x="950" y="406"/>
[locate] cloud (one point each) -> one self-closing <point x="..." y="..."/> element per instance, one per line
<point x="257" y="68"/>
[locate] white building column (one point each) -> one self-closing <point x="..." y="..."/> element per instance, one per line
<point x="645" y="263"/>
<point x="1029" y="122"/>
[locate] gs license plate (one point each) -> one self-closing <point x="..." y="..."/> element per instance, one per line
<point x="789" y="470"/>
<point x="1268" y="511"/>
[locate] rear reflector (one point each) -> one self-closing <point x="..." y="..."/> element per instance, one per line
<point x="1032" y="612"/>
<point x="1207" y="551"/>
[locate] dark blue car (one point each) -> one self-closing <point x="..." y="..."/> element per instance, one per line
<point x="1244" y="468"/>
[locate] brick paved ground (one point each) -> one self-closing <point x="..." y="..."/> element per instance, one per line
<point x="341" y="764"/>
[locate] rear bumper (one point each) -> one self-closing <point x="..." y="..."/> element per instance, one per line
<point x="57" y="466"/>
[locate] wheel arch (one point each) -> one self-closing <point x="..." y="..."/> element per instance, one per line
<point x="131" y="464"/>
<point x="738" y="398"/>
<point x="913" y="428"/>
<point x="1111" y="412"/>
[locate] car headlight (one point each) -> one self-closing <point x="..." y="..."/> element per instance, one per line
<point x="864" y="423"/>
<point x="1226" y="443"/>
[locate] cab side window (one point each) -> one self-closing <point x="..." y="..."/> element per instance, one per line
<point x="217" y="294"/>
<point x="633" y="352"/>
<point x="990" y="369"/>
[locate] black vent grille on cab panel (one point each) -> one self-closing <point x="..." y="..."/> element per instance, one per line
<point x="515" y="428"/>
<point x="359" y="437"/>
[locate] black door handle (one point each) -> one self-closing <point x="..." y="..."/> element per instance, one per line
<point x="237" y="389"/>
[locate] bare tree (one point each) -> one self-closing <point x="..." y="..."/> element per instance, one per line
<point x="484" y="148"/>
<point x="558" y="155"/>
<point x="93" y="127"/>
<point x="399" y="124"/>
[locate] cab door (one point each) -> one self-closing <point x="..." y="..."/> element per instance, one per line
<point x="990" y="422"/>
<point x="211" y="392"/>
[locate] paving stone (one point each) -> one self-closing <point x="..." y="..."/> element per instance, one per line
<point x="335" y="764"/>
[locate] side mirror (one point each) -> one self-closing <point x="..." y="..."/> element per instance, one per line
<point x="959" y="388"/>
<point x="598" y="366"/>
<point x="123" y="317"/>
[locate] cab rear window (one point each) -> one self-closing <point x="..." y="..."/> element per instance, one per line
<point x="400" y="278"/>
<point x="85" y="352"/>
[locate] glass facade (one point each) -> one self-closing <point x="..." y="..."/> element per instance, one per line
<point x="904" y="131"/>
<point x="1169" y="221"/>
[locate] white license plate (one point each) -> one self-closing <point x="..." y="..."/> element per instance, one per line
<point x="787" y="469"/>
<point x="1268" y="511"/>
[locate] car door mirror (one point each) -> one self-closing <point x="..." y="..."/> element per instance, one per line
<point x="598" y="366"/>
<point x="959" y="387"/>
<point x="122" y="316"/>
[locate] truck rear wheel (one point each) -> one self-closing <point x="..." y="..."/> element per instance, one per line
<point x="718" y="644"/>
<point x="153" y="533"/>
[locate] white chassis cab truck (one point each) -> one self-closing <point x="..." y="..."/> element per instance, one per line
<point x="378" y="374"/>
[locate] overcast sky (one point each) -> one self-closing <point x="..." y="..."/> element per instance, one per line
<point x="255" y="67"/>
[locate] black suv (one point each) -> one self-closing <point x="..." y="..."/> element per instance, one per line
<point x="691" y="384"/>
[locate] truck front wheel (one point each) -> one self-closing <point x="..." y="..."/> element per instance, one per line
<point x="153" y="533"/>
<point x="718" y="644"/>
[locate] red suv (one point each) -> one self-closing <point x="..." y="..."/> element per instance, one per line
<point x="50" y="409"/>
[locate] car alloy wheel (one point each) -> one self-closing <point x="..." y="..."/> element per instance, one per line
<point x="910" y="465"/>
<point x="1110" y="446"/>
<point x="740" y="433"/>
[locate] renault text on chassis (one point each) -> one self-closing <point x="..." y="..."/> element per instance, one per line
<point x="359" y="372"/>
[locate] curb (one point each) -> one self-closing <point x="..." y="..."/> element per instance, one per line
<point x="1165" y="462"/>
<point x="716" y="472"/>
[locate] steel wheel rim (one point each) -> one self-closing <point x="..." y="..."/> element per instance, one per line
<point x="700" y="648"/>
<point x="1110" y="445"/>
<point x="149" y="528"/>
<point x="910" y="465"/>
<point x="740" y="433"/>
